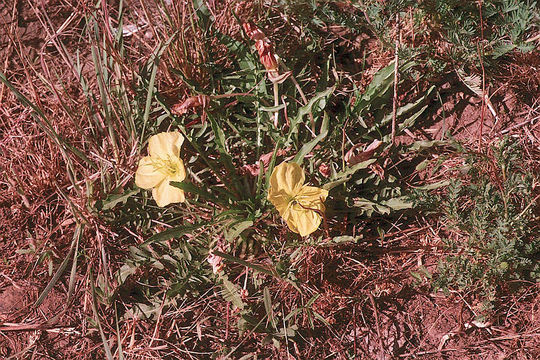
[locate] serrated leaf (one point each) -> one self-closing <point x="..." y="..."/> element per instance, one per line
<point x="378" y="88"/>
<point x="423" y="165"/>
<point x="192" y="188"/>
<point x="306" y="109"/>
<point x="424" y="144"/>
<point x="434" y="186"/>
<point x="344" y="176"/>
<point x="306" y="149"/>
<point x="125" y="271"/>
<point x="473" y="81"/>
<point x="112" y="200"/>
<point x="399" y="203"/>
<point x="407" y="114"/>
<point x="234" y="232"/>
<point x="231" y="293"/>
<point x="369" y="205"/>
<point x="252" y="266"/>
<point x="345" y="239"/>
<point x="174" y="232"/>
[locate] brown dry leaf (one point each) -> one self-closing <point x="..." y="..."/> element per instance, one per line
<point x="377" y="169"/>
<point x="190" y="103"/>
<point x="352" y="158"/>
<point x="267" y="56"/>
<point x="324" y="169"/>
<point x="254" y="169"/>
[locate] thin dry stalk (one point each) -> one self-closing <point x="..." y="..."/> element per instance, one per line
<point x="396" y="80"/>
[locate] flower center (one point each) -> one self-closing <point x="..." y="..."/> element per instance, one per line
<point x="168" y="166"/>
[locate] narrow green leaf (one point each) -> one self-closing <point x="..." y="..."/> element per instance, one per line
<point x="174" y="232"/>
<point x="255" y="267"/>
<point x="118" y="337"/>
<point x="73" y="272"/>
<point x="272" y="163"/>
<point x="306" y="149"/>
<point x="267" y="299"/>
<point x="45" y="124"/>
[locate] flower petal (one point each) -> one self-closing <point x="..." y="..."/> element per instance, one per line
<point x="280" y="199"/>
<point x="147" y="175"/>
<point x="165" y="194"/>
<point x="165" y="145"/>
<point x="305" y="216"/>
<point x="180" y="174"/>
<point x="288" y="177"/>
<point x="311" y="196"/>
<point x="303" y="221"/>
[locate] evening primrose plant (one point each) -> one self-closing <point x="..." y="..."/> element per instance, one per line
<point x="244" y="197"/>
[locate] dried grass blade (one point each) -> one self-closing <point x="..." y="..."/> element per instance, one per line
<point x="60" y="271"/>
<point x="98" y="322"/>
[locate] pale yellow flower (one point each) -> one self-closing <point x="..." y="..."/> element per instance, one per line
<point x="161" y="166"/>
<point x="301" y="206"/>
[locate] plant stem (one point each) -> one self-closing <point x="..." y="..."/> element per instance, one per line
<point x="276" y="103"/>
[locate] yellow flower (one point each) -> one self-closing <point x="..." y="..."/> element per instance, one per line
<point x="300" y="205"/>
<point x="162" y="166"/>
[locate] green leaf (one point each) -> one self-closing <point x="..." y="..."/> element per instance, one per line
<point x="317" y="99"/>
<point x="235" y="231"/>
<point x="255" y="267"/>
<point x="221" y="143"/>
<point x="369" y="205"/>
<point x="112" y="200"/>
<point x="502" y="49"/>
<point x="424" y="144"/>
<point x="434" y="186"/>
<point x="345" y="239"/>
<point x="378" y="89"/>
<point x="272" y="163"/>
<point x="344" y="176"/>
<point x="46" y="125"/>
<point x="156" y="56"/>
<point x="174" y="232"/>
<point x="410" y="112"/>
<point x="104" y="339"/>
<point x="192" y="188"/>
<point x="399" y="203"/>
<point x="62" y="267"/>
<point x="423" y="165"/>
<point x="306" y="149"/>
<point x="231" y="293"/>
<point x="268" y="306"/>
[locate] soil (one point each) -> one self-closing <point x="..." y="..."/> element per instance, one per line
<point x="24" y="326"/>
